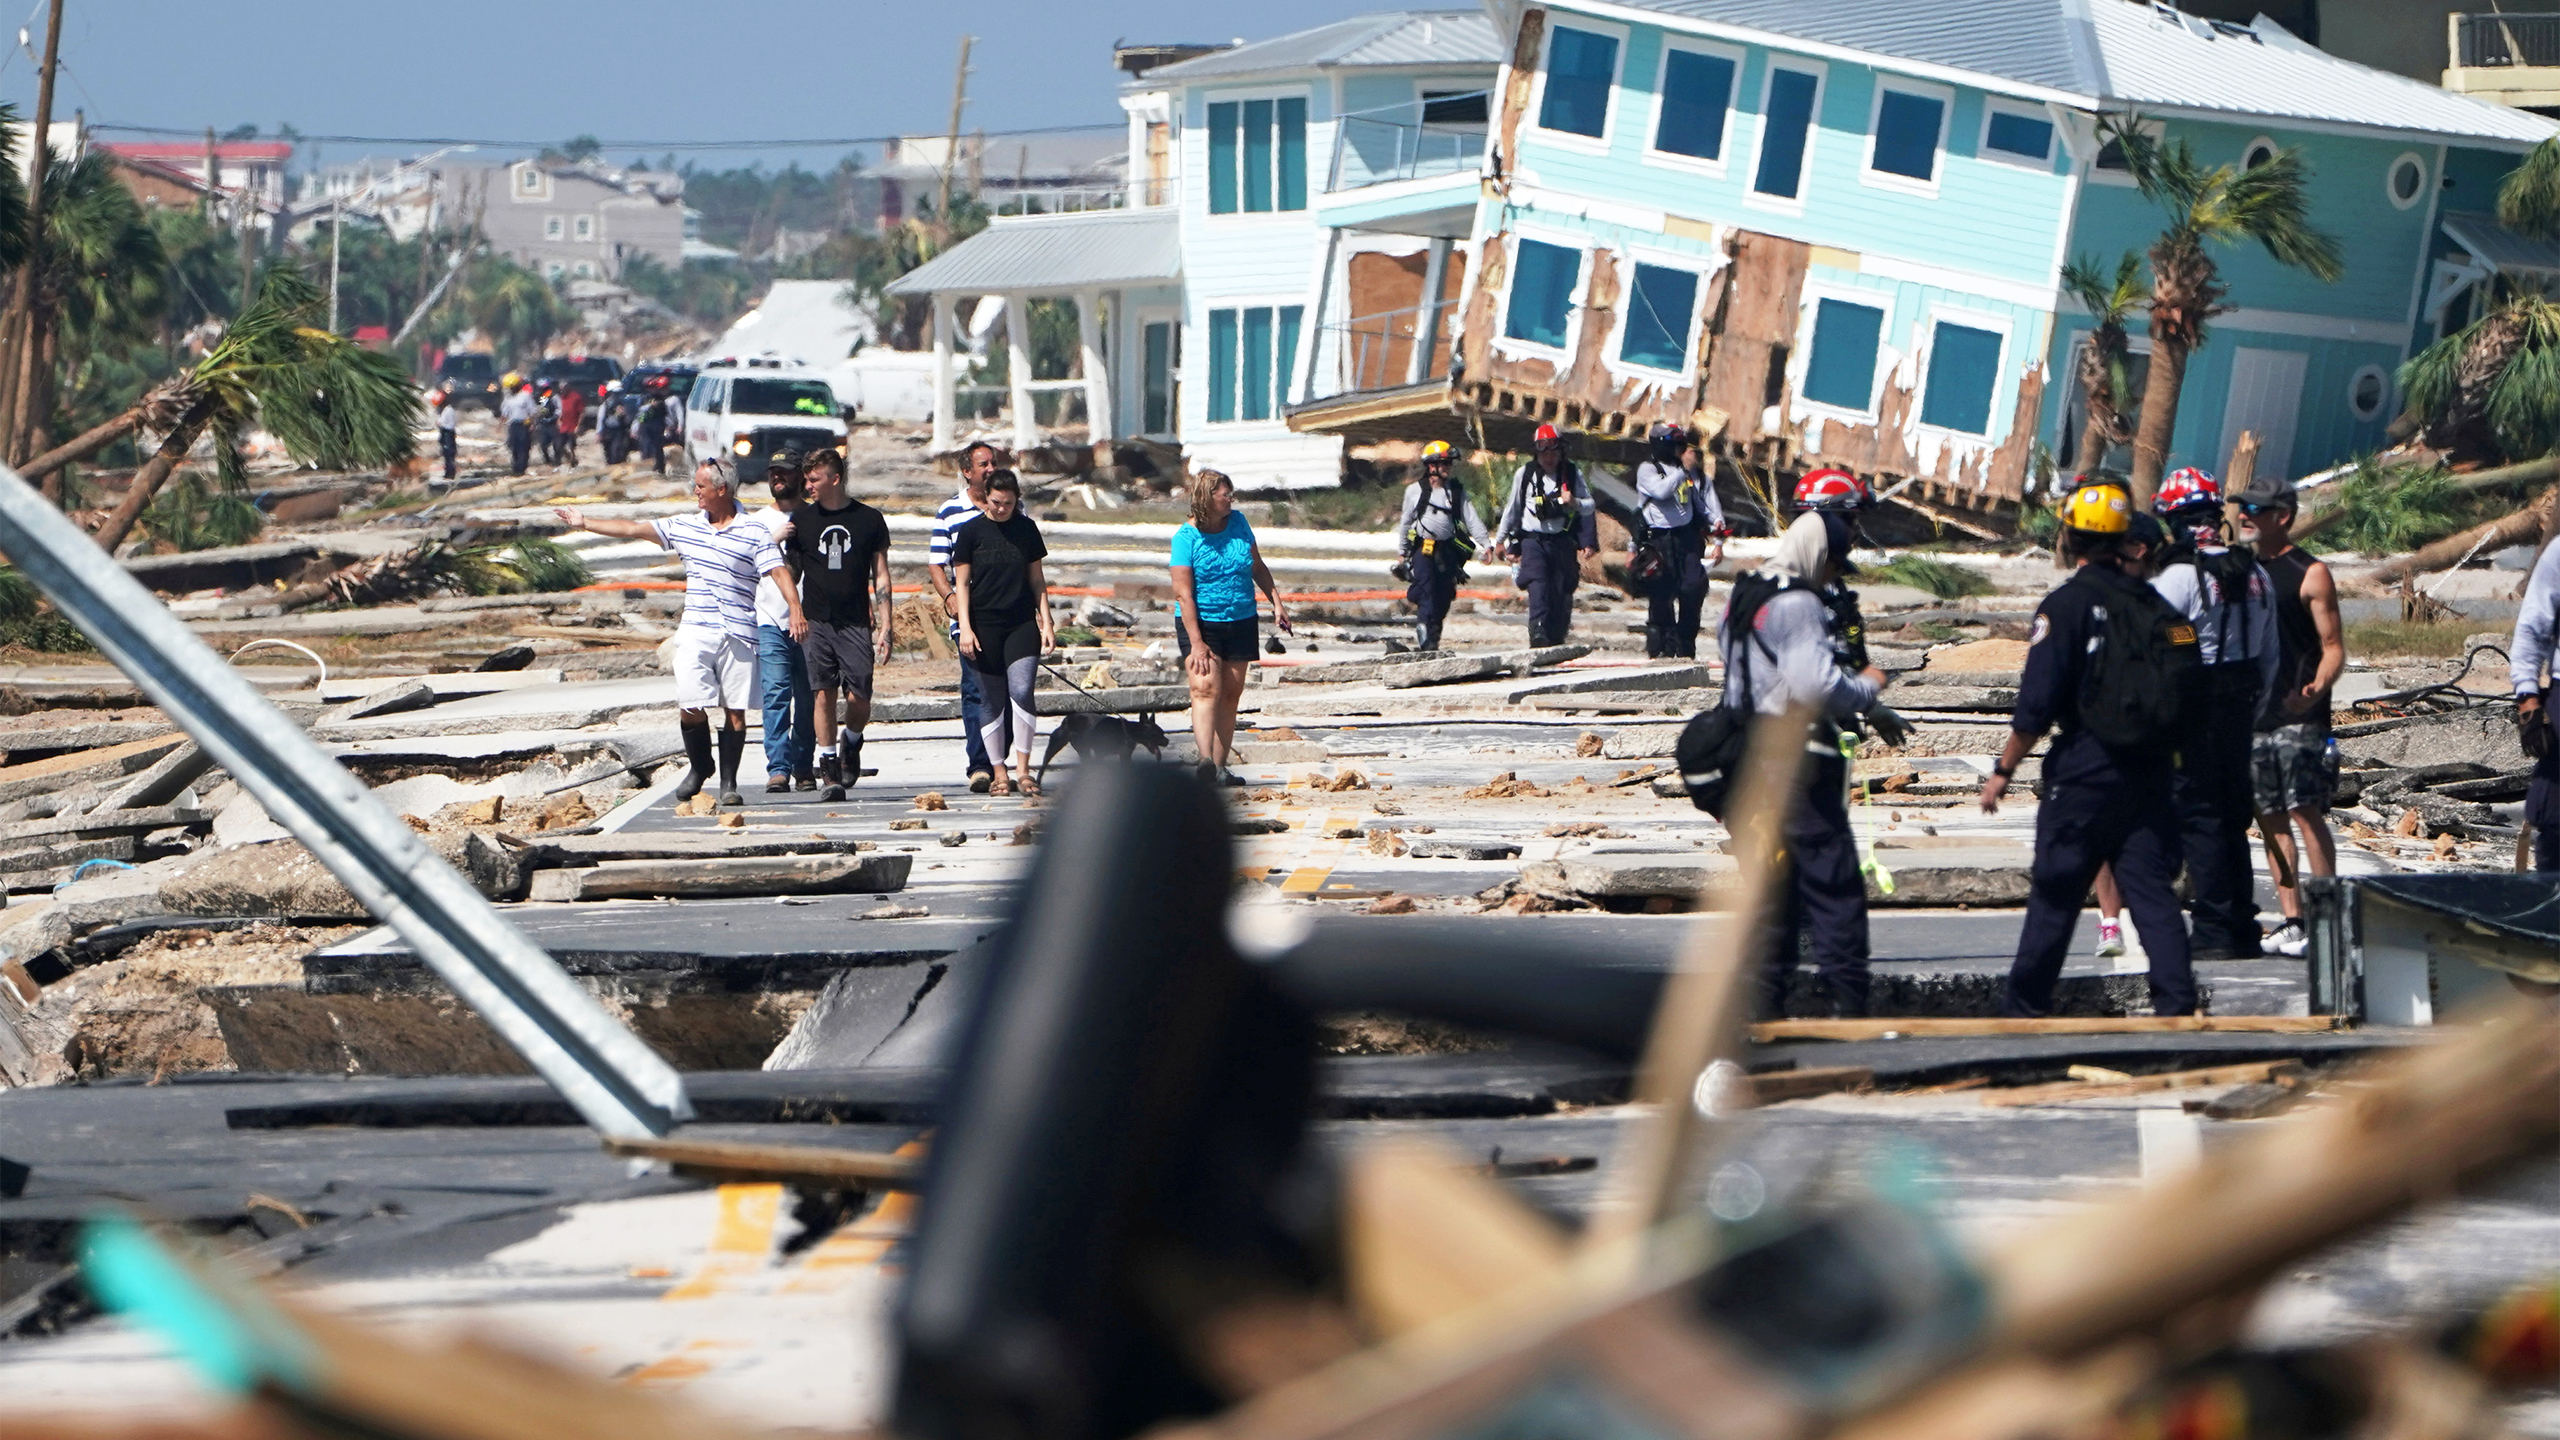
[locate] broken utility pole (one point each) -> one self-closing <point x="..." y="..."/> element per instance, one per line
<point x="951" y="138"/>
<point x="22" y="303"/>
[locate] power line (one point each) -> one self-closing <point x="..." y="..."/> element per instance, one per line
<point x="823" y="143"/>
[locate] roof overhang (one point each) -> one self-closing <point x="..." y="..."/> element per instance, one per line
<point x="1432" y="206"/>
<point x="1055" y="255"/>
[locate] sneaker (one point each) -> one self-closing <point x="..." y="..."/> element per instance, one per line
<point x="2289" y="939"/>
<point x="979" y="780"/>
<point x="2110" y="941"/>
<point x="804" y="781"/>
<point x="777" y="784"/>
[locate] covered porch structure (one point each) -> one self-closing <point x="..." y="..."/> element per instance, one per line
<point x="1120" y="267"/>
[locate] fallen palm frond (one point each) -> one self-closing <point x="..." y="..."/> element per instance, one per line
<point x="25" y="622"/>
<point x="192" y="515"/>
<point x="2381" y="510"/>
<point x="1937" y="577"/>
<point x="544" y="566"/>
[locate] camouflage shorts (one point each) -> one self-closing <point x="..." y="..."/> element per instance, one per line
<point x="2291" y="768"/>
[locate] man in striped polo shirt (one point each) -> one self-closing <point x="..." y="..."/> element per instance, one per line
<point x="976" y="464"/>
<point x="715" y="652"/>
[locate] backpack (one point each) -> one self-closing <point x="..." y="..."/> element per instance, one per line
<point x="2138" y="687"/>
<point x="1711" y="745"/>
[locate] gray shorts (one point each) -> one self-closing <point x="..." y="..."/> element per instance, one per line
<point x="839" y="658"/>
<point x="2290" y="768"/>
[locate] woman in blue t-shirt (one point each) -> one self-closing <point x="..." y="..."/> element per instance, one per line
<point x="1216" y="569"/>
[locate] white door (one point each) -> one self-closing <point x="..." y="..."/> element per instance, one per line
<point x="2266" y="396"/>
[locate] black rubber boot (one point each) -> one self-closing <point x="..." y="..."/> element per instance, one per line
<point x="733" y="744"/>
<point x="849" y="749"/>
<point x="1655" y="646"/>
<point x="831" y="770"/>
<point x="697" y="752"/>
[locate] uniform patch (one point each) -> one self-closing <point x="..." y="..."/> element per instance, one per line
<point x="2043" y="627"/>
<point x="2182" y="634"/>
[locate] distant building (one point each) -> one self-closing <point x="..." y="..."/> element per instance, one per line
<point x="172" y="172"/>
<point x="1009" y="175"/>
<point x="576" y="220"/>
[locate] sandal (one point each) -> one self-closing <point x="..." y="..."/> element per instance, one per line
<point x="1029" y="787"/>
<point x="1000" y="785"/>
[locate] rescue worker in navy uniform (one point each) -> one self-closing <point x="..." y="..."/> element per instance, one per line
<point x="1681" y="515"/>
<point x="2102" y="804"/>
<point x="2231" y="602"/>
<point x="1548" y="525"/>
<point x="1440" y="532"/>
<point x="1782" y="646"/>
<point x="2529" y="657"/>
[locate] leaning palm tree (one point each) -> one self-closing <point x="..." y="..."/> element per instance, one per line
<point x="2268" y="202"/>
<point x="2492" y="388"/>
<point x="101" y="280"/>
<point x="2106" y="380"/>
<point x="330" y="402"/>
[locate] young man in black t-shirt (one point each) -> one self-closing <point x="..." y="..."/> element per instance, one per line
<point x="840" y="550"/>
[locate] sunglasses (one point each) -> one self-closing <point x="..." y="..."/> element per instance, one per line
<point x="2253" y="510"/>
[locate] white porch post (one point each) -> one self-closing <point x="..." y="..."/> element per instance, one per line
<point x="1315" y="321"/>
<point x="945" y="391"/>
<point x="1017" y="351"/>
<point x="1426" y="333"/>
<point x="1097" y="378"/>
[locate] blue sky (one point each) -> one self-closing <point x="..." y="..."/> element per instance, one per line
<point x="653" y="70"/>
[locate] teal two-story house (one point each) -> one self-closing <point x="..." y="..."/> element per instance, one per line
<point x="1834" y="234"/>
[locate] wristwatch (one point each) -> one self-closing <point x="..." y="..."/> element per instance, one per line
<point x="2005" y="772"/>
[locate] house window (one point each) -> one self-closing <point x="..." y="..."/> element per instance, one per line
<point x="1786" y="131"/>
<point x="1964" y="369"/>
<point x="1455" y="107"/>
<point x="1249" y="355"/>
<point x="586" y="227"/>
<point x="1660" y="301"/>
<point x="1543" y="279"/>
<point x="2260" y="151"/>
<point x="1258" y="155"/>
<point x="529" y="180"/>
<point x="1840" y="369"/>
<point x="2368" y="391"/>
<point x="586" y="270"/>
<point x="1908" y="127"/>
<point x="2015" y="134"/>
<point x="2110" y="165"/>
<point x="1582" y="65"/>
<point x="1697" y="91"/>
<point x="550" y="227"/>
<point x="2406" y="181"/>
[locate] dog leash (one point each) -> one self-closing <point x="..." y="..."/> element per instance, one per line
<point x="1089" y="695"/>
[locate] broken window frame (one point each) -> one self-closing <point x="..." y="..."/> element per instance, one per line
<point x="1888" y="87"/>
<point x="1924" y="369"/>
<point x="1808" y="329"/>
<point x="1631" y="262"/>
<point x="1995" y="108"/>
<point x="1285" y="330"/>
<point x="1821" y="74"/>
<point x="1719" y="165"/>
<point x="1511" y="344"/>
<point x="1282" y="166"/>
<point x="1598" y="144"/>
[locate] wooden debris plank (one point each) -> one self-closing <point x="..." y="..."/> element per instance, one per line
<point x="738" y="1162"/>
<point x="1774" y="1030"/>
<point x="593" y="637"/>
<point x="1810" y="1081"/>
<point x="2250" y="1074"/>
<point x="107" y="762"/>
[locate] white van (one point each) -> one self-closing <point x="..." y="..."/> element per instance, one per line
<point x="746" y="408"/>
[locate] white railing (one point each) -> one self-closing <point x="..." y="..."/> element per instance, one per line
<point x="1373" y="147"/>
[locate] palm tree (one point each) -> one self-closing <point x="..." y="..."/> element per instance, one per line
<point x="329" y="401"/>
<point x="517" y="309"/>
<point x="101" y="280"/>
<point x="2207" y="205"/>
<point x="2492" y="387"/>
<point x="2105" y="375"/>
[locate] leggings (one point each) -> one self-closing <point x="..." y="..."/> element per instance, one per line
<point x="1009" y="660"/>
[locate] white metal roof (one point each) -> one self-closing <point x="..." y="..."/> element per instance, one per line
<point x="806" y="320"/>
<point x="1052" y="253"/>
<point x="1407" y="37"/>
<point x="2103" y="54"/>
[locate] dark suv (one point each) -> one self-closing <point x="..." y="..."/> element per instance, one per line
<point x="470" y="377"/>
<point x="596" y="373"/>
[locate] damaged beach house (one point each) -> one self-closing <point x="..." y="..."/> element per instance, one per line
<point x="1822" y="234"/>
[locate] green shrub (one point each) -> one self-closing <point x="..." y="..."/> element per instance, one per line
<point x="1937" y="577"/>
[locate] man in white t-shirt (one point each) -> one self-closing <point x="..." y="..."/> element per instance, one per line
<point x="782" y="672"/>
<point x="715" y="654"/>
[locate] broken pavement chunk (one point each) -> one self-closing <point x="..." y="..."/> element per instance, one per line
<point x="910" y="822"/>
<point x="932" y="800"/>
<point x="872" y="874"/>
<point x="1453" y="670"/>
<point x="1439" y="848"/>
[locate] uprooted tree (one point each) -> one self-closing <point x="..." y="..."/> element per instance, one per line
<point x="328" y="400"/>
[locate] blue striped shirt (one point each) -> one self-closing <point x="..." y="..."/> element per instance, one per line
<point x="721" y="567"/>
<point x="955" y="512"/>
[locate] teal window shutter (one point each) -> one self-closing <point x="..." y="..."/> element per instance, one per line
<point x="1697" y="90"/>
<point x="1964" y="371"/>
<point x="1659" y="302"/>
<point x="1284" y="354"/>
<point x="1907" y="128"/>
<point x="1257" y="155"/>
<point x="1256" y="368"/>
<point x="1784" y="132"/>
<point x="1841" y="371"/>
<point x="1293" y="153"/>
<point x="1222" y="365"/>
<point x="1542" y="284"/>
<point x="1580" y="66"/>
<point x="1222" y="158"/>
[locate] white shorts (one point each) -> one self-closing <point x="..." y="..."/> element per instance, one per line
<point x="713" y="671"/>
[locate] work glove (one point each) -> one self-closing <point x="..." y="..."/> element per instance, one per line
<point x="2533" y="730"/>
<point x="1891" y="728"/>
<point x="1402" y="569"/>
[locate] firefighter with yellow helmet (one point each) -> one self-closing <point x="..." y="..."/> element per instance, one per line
<point x="1440" y="532"/>
<point x="2116" y="671"/>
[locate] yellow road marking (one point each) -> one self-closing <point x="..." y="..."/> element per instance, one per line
<point x="1305" y="881"/>
<point x="741" y="1238"/>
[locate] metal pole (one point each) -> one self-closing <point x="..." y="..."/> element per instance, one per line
<point x="951" y="138"/>
<point x="337" y="222"/>
<point x="621" y="1086"/>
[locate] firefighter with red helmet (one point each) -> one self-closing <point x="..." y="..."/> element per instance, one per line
<point x="1680" y="515"/>
<point x="1548" y="525"/>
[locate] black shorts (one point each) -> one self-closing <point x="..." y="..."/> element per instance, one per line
<point x="1230" y="640"/>
<point x="840" y="657"/>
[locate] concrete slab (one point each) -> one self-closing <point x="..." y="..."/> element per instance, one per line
<point x="725" y="878"/>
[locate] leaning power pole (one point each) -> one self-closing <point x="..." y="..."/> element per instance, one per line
<point x="21" y="329"/>
<point x="951" y="137"/>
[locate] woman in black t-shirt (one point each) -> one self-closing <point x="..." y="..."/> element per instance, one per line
<point x="1004" y="621"/>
